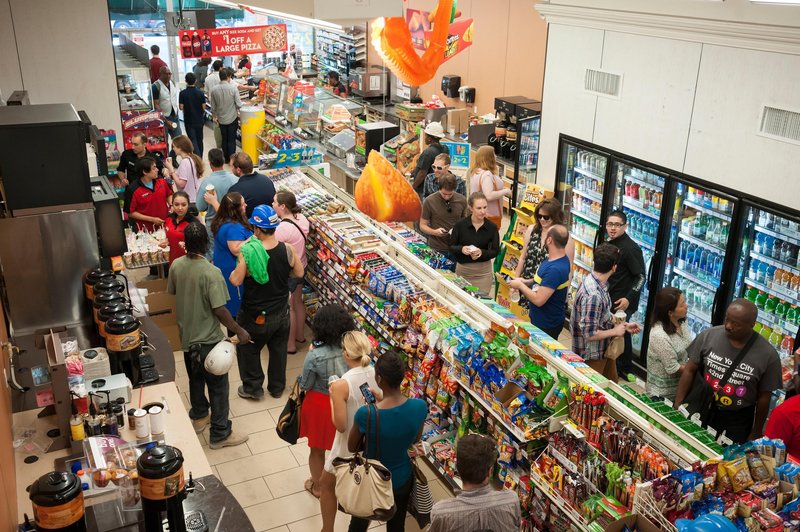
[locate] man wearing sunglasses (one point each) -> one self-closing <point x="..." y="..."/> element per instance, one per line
<point x="625" y="286"/>
<point x="441" y="167"/>
<point x="440" y="212"/>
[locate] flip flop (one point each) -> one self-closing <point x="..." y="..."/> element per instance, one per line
<point x="309" y="487"/>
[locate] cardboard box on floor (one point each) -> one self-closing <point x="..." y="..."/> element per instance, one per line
<point x="642" y="524"/>
<point x="162" y="310"/>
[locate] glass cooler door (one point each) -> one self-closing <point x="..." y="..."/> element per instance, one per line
<point x="640" y="194"/>
<point x="581" y="183"/>
<point x="701" y="226"/>
<point x="768" y="274"/>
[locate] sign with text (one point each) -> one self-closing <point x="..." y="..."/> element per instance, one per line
<point x="459" y="156"/>
<point x="233" y="41"/>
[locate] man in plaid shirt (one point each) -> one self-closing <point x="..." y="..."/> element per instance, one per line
<point x="592" y="323"/>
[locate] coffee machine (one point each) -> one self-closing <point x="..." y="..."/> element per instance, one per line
<point x="163" y="488"/>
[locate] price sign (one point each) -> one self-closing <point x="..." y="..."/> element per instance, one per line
<point x="289" y="158"/>
<point x="459" y="156"/>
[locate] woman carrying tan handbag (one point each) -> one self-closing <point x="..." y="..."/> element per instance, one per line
<point x="400" y="420"/>
<point x="483" y="178"/>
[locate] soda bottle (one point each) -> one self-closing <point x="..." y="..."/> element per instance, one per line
<point x="197" y="46"/>
<point x="186" y="45"/>
<point x="758" y="243"/>
<point x="775" y="339"/>
<point x="762" y="272"/>
<point x="757" y="327"/>
<point x="776" y="250"/>
<point x="786" y="279"/>
<point x="690" y="194"/>
<point x="795" y="283"/>
<point x="751" y="294"/>
<point x="780" y="309"/>
<point x="715" y="203"/>
<point x="707" y="201"/>
<point x="761" y="299"/>
<point x="762" y="218"/>
<point x="766" y="331"/>
<point x="787" y="346"/>
<point x="786" y="252"/>
<point x="206" y="43"/>
<point x="770" y="305"/>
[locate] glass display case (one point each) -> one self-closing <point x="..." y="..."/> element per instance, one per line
<point x="134" y="95"/>
<point x="275" y="95"/>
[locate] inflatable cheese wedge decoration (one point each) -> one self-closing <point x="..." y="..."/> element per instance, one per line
<point x="383" y="194"/>
<point x="392" y="39"/>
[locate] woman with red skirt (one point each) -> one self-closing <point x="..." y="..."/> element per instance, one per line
<point x="324" y="363"/>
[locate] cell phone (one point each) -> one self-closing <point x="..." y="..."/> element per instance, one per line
<point x="369" y="397"/>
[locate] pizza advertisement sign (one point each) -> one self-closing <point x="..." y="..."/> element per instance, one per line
<point x="233" y="41"/>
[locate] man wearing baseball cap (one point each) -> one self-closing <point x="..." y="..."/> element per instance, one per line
<point x="434" y="132"/>
<point x="264" y="268"/>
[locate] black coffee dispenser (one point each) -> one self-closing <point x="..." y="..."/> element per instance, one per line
<point x="57" y="501"/>
<point x="162" y="487"/>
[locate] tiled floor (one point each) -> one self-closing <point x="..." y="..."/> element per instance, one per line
<point x="266" y="474"/>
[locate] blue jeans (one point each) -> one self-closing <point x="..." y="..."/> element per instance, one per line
<point x="228" y="132"/>
<point x="195" y="134"/>
<point x="274" y="333"/>
<point x="173" y="132"/>
<point x="217" y="400"/>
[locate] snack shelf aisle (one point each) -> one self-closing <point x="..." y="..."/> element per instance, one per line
<point x="386" y="242"/>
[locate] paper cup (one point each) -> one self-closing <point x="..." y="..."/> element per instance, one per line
<point x="619" y="316"/>
<point x="209" y="188"/>
<point x="140" y="423"/>
<point x="156" y="417"/>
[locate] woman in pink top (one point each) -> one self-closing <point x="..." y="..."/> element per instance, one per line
<point x="190" y="170"/>
<point x="293" y="230"/>
<point x="483" y="178"/>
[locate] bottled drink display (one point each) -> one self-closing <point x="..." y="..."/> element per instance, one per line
<point x="640" y="195"/>
<point x="700" y="232"/>
<point x="581" y="193"/>
<point x="769" y="276"/>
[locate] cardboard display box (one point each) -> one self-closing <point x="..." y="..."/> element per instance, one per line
<point x="162" y="310"/>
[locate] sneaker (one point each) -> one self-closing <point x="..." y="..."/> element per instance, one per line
<point x="244" y="395"/>
<point x="232" y="439"/>
<point x="200" y="424"/>
<point x="630" y="377"/>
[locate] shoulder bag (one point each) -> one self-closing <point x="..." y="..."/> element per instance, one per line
<point x="701" y="397"/>
<point x="288" y="426"/>
<point x="364" y="485"/>
<point x="420" y="503"/>
<point x="302" y="233"/>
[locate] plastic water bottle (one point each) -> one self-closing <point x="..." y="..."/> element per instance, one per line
<point x="752" y="272"/>
<point x="762" y="218"/>
<point x="690" y="252"/>
<point x="682" y="254"/>
<point x="762" y="272"/>
<point x="719" y="262"/>
<point x="702" y="265"/>
<point x="758" y="245"/>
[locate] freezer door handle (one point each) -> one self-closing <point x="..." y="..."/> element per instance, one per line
<point x="719" y="292"/>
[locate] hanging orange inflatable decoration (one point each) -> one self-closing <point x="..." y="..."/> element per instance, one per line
<point x="392" y="39"/>
<point x="383" y="194"/>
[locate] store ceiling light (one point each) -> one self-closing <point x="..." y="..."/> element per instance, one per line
<point x="323" y="24"/>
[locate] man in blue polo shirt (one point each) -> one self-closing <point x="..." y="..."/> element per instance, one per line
<point x="256" y="188"/>
<point x="549" y="293"/>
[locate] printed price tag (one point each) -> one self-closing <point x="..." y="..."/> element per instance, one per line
<point x="683" y="411"/>
<point x="696" y="419"/>
<point x="712" y="431"/>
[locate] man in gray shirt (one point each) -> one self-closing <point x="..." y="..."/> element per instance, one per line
<point x="221" y="180"/>
<point x="225" y="104"/>
<point x="478" y="506"/>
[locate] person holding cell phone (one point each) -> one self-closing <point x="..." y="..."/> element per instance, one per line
<point x="346" y="397"/>
<point x="322" y="363"/>
<point x="474" y="242"/>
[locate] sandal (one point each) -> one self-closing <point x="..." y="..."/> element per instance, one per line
<point x="309" y="486"/>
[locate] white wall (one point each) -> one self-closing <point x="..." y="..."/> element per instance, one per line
<point x="62" y="54"/>
<point x="689" y="104"/>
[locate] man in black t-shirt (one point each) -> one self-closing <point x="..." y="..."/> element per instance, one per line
<point x="625" y="286"/>
<point x="126" y="171"/>
<point x="265" y="304"/>
<point x="192" y="102"/>
<point x="257" y="189"/>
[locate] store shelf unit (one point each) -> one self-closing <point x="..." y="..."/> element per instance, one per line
<point x="678" y="445"/>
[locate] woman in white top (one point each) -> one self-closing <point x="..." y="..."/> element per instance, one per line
<point x="346" y="398"/>
<point x="669" y="338"/>
<point x="190" y="170"/>
<point x="293" y="230"/>
<point x="483" y="178"/>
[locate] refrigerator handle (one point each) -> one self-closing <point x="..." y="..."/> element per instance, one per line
<point x="717" y="295"/>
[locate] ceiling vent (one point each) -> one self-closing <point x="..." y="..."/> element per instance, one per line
<point x="780" y="124"/>
<point x="602" y="83"/>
